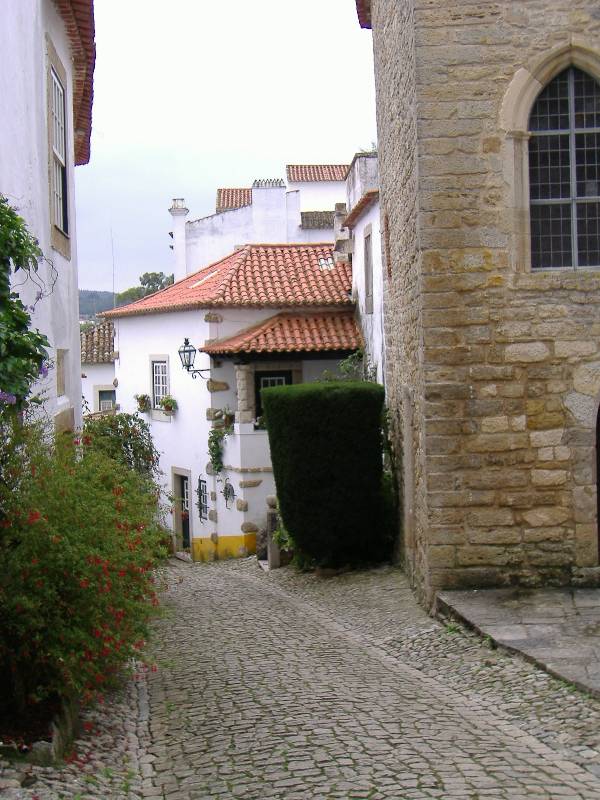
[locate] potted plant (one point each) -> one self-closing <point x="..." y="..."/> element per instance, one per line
<point x="168" y="405"/>
<point x="143" y="403"/>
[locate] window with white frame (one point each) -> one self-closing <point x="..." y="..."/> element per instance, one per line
<point x="263" y="380"/>
<point x="58" y="137"/>
<point x="159" y="382"/>
<point x="564" y="173"/>
<point x="106" y="399"/>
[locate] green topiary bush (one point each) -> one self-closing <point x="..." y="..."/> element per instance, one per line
<point x="326" y="449"/>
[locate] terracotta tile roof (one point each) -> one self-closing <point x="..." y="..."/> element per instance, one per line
<point x="365" y="202"/>
<point x="232" y="198"/>
<point x="363" y="9"/>
<point x="316" y="172"/>
<point x="98" y="344"/>
<point x="256" y="275"/>
<point x="294" y="333"/>
<point x="316" y="219"/>
<point x="78" y="16"/>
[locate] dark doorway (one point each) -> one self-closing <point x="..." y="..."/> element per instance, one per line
<point x="262" y="380"/>
<point x="184" y="504"/>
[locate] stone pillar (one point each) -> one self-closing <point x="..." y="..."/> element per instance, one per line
<point x="244" y="376"/>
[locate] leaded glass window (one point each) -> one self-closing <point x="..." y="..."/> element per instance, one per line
<point x="564" y="173"/>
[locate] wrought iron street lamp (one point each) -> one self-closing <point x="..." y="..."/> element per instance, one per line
<point x="187" y="354"/>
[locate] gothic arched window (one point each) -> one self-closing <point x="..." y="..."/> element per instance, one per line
<point x="564" y="173"/>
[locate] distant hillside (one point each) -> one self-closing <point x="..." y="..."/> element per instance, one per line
<point x="92" y="302"/>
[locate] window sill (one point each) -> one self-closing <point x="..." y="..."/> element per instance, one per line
<point x="159" y="416"/>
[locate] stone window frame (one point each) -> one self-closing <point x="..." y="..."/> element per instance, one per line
<point x="104" y="387"/>
<point x="61" y="364"/>
<point x="59" y="239"/>
<point x="368" y="267"/>
<point x="518" y="100"/>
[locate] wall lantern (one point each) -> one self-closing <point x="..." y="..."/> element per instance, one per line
<point x="187" y="354"/>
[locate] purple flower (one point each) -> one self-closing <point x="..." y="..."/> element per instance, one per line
<point x="44" y="369"/>
<point x="7" y="398"/>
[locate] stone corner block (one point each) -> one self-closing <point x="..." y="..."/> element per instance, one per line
<point x="213" y="516"/>
<point x="249" y="527"/>
<point x="216" y="386"/>
<point x="250" y="484"/>
<point x="241" y="505"/>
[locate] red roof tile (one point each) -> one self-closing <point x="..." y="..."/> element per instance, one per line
<point x="98" y="344"/>
<point x="365" y="202"/>
<point x="316" y="172"/>
<point x="363" y="9"/>
<point x="78" y="16"/>
<point x="294" y="333"/>
<point x="232" y="198"/>
<point x="256" y="275"/>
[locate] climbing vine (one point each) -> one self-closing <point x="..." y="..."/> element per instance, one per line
<point x="216" y="439"/>
<point x="22" y="350"/>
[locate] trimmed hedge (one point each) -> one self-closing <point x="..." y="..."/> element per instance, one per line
<point x="326" y="450"/>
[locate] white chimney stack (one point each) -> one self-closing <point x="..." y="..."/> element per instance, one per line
<point x="179" y="212"/>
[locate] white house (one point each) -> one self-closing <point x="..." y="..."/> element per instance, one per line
<point x="46" y="72"/>
<point x="266" y="314"/>
<point x="358" y="232"/>
<point x="98" y="356"/>
<point x="268" y="211"/>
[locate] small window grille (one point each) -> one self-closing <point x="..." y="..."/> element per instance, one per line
<point x="159" y="382"/>
<point x="202" y="499"/>
<point x="564" y="173"/>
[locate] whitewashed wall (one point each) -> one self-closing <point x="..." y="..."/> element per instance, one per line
<point x="274" y="216"/>
<point x="319" y="195"/>
<point x="24" y="178"/>
<point x="371" y="324"/>
<point x="181" y="439"/>
<point x="97" y="376"/>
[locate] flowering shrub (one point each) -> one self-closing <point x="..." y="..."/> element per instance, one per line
<point x="79" y="541"/>
<point x="126" y="438"/>
<point x="22" y="351"/>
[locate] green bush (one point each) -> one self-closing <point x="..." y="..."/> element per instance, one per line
<point x="124" y="437"/>
<point x="326" y="449"/>
<point x="79" y="541"/>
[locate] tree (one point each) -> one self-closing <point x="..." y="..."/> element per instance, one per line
<point x="150" y="282"/>
<point x="155" y="281"/>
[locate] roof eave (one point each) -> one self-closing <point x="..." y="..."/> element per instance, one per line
<point x="78" y="17"/>
<point x="363" y="10"/>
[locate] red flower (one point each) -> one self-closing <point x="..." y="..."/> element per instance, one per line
<point x="34" y="516"/>
<point x="87" y="440"/>
<point x="84" y="583"/>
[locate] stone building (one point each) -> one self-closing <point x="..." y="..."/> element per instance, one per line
<point x="489" y="149"/>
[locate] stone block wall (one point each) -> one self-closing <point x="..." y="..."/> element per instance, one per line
<point x="493" y="371"/>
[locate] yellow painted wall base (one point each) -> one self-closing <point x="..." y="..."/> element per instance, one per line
<point x="204" y="549"/>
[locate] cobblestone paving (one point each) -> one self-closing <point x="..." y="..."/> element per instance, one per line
<point x="286" y="686"/>
<point x="291" y="686"/>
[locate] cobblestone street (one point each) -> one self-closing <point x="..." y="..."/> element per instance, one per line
<point x="290" y="686"/>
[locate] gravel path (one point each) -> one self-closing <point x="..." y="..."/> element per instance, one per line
<point x="290" y="686"/>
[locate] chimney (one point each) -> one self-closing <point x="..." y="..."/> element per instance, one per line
<point x="179" y="212"/>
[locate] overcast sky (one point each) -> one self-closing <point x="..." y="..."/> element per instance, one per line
<point x="190" y="95"/>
